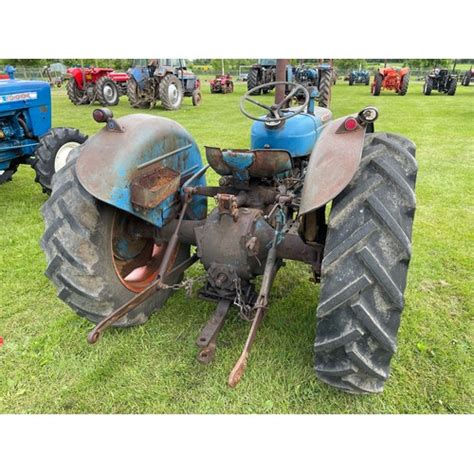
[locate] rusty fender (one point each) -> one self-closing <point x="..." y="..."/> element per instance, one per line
<point x="333" y="163"/>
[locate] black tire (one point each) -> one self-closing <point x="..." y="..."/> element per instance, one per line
<point x="428" y="86"/>
<point x="46" y="153"/>
<point x="364" y="269"/>
<point x="367" y="81"/>
<point x="230" y="88"/>
<point x="351" y="81"/>
<point x="6" y="175"/>
<point x="466" y="80"/>
<point x="107" y="92"/>
<point x="76" y="96"/>
<point x="196" y="98"/>
<point x="452" y="87"/>
<point x="79" y="258"/>
<point x="133" y="94"/>
<point x="168" y="101"/>
<point x="377" y="86"/>
<point x="252" y="81"/>
<point x="324" y="88"/>
<point x="404" y="84"/>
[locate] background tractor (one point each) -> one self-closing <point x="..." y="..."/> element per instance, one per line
<point x="118" y="230"/>
<point x="467" y="77"/>
<point x="359" y="76"/>
<point x="263" y="72"/>
<point x="440" y="80"/>
<point x="222" y="83"/>
<point x="87" y="85"/>
<point x="165" y="80"/>
<point x="26" y="136"/>
<point x="389" y="78"/>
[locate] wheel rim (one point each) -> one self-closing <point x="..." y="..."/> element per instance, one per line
<point x="136" y="259"/>
<point x="110" y="93"/>
<point x="63" y="154"/>
<point x="173" y="94"/>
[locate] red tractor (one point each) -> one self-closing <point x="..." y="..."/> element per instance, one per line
<point x="391" y="79"/>
<point x="90" y="84"/>
<point x="222" y="83"/>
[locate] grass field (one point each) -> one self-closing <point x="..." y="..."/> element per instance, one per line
<point x="46" y="365"/>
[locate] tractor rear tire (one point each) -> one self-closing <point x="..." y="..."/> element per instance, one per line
<point x="80" y="260"/>
<point x="252" y="81"/>
<point x="452" y="87"/>
<point x="171" y="92"/>
<point x="428" y="86"/>
<point x="107" y="92"/>
<point x="377" y="86"/>
<point x="351" y="81"/>
<point x="404" y="84"/>
<point x="134" y="97"/>
<point x="466" y="80"/>
<point x="76" y="96"/>
<point x="6" y="175"/>
<point x="364" y="268"/>
<point x="324" y="88"/>
<point x="53" y="152"/>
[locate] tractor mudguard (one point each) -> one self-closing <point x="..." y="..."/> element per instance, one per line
<point x="332" y="164"/>
<point x="139" y="163"/>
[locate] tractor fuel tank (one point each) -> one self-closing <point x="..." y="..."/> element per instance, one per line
<point x="298" y="135"/>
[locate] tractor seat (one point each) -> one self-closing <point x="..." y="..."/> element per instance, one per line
<point x="245" y="164"/>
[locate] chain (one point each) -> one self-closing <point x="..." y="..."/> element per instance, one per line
<point x="187" y="284"/>
<point x="245" y="310"/>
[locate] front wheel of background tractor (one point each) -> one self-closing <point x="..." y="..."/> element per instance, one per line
<point x="107" y="92"/>
<point x="404" y="84"/>
<point x="53" y="152"/>
<point x="364" y="269"/>
<point x="76" y="95"/>
<point x="428" y="86"/>
<point x="6" y="174"/>
<point x="94" y="258"/>
<point x="133" y="94"/>
<point x="324" y="88"/>
<point x="377" y="85"/>
<point x="452" y="87"/>
<point x="171" y="92"/>
<point x="466" y="80"/>
<point x="196" y="98"/>
<point x="252" y="81"/>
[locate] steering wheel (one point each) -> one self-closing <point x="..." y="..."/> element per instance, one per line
<point x="275" y="109"/>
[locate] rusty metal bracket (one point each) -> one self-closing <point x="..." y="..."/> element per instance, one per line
<point x="208" y="337"/>
<point x="227" y="204"/>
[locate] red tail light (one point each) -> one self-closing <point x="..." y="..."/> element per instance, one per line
<point x="350" y="124"/>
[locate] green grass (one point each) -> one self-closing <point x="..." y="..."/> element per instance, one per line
<point x="46" y="365"/>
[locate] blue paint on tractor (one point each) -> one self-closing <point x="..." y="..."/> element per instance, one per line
<point x="298" y="135"/>
<point x="239" y="162"/>
<point x="25" y="116"/>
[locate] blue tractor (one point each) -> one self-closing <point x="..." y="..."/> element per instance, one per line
<point x="127" y="208"/>
<point x="359" y="76"/>
<point x="26" y="136"/>
<point x="165" y="80"/>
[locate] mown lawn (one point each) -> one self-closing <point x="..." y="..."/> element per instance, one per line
<point x="46" y="365"/>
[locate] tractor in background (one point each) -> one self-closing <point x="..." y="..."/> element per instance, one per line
<point x="120" y="225"/>
<point x="8" y="72"/>
<point x="393" y="79"/>
<point x="441" y="80"/>
<point x="359" y="76"/>
<point x="263" y="72"/>
<point x="26" y="136"/>
<point x="87" y="85"/>
<point x="222" y="83"/>
<point x="164" y="80"/>
<point x="467" y="77"/>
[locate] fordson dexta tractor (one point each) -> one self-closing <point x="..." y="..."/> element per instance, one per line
<point x="125" y="211"/>
<point x="393" y="79"/>
<point x="262" y="72"/>
<point x="26" y="135"/>
<point x="165" y="80"/>
<point x="441" y="80"/>
<point x="87" y="85"/>
<point x="359" y="76"/>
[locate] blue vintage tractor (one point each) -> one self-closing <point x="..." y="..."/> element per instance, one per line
<point x="130" y="203"/>
<point x="165" y="80"/>
<point x="359" y="76"/>
<point x="26" y="135"/>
